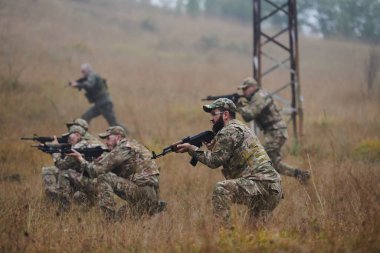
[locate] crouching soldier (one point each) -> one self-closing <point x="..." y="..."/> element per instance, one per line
<point x="127" y="171"/>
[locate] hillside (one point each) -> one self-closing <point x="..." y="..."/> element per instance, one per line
<point x="159" y="65"/>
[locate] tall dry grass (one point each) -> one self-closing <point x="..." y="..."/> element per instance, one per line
<point x="157" y="77"/>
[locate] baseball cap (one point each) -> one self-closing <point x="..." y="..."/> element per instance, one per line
<point x="247" y="82"/>
<point x="224" y="103"/>
<point x="113" y="130"/>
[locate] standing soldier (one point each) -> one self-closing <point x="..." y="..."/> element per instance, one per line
<point x="127" y="171"/>
<point x="259" y="106"/>
<point x="250" y="178"/>
<point x="97" y="93"/>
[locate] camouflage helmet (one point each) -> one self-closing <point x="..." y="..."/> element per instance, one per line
<point x="75" y="129"/>
<point x="78" y="122"/>
<point x="113" y="130"/>
<point x="224" y="103"/>
<point x="249" y="81"/>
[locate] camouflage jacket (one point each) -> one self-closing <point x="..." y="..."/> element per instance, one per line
<point x="261" y="108"/>
<point x="130" y="160"/>
<point x="95" y="87"/>
<point x="240" y="153"/>
<point x="69" y="162"/>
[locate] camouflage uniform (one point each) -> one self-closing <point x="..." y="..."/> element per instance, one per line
<point x="129" y="172"/>
<point x="261" y="108"/>
<point x="97" y="93"/>
<point x="50" y="173"/>
<point x="250" y="178"/>
<point x="70" y="180"/>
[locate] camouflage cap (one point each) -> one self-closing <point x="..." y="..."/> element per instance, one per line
<point x="224" y="103"/>
<point x="113" y="130"/>
<point x="75" y="129"/>
<point x="246" y="83"/>
<point x="78" y="122"/>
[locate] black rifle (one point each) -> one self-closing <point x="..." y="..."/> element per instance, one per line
<point x="195" y="140"/>
<point x="44" y="139"/>
<point x="234" y="97"/>
<point x="65" y="148"/>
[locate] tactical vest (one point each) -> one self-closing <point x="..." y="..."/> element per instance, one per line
<point x="269" y="115"/>
<point x="248" y="154"/>
<point x="99" y="91"/>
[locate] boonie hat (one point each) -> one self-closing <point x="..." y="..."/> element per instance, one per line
<point x="113" y="130"/>
<point x="224" y="103"/>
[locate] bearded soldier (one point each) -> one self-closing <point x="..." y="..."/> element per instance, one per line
<point x="250" y="178"/>
<point x="259" y="106"/>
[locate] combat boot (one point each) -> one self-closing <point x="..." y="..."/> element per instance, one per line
<point x="303" y="176"/>
<point x="160" y="207"/>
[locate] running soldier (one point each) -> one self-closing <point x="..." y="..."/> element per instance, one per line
<point x="259" y="106"/>
<point x="250" y="178"/>
<point x="97" y="93"/>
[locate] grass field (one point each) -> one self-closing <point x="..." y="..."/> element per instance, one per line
<point x="159" y="65"/>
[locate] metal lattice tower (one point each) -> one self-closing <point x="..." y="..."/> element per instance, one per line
<point x="276" y="50"/>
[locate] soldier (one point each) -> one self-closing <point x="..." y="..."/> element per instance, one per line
<point x="250" y="178"/>
<point x="127" y="171"/>
<point x="97" y="93"/>
<point x="259" y="106"/>
<point x="92" y="140"/>
<point x="50" y="173"/>
<point x="71" y="183"/>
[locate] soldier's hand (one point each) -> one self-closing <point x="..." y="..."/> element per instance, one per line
<point x="76" y="155"/>
<point x="210" y="144"/>
<point x="55" y="140"/>
<point x="242" y="102"/>
<point x="184" y="147"/>
<point x="73" y="84"/>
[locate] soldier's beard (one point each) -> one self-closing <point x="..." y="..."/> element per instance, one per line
<point x="218" y="125"/>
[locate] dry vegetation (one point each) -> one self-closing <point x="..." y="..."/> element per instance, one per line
<point x="159" y="65"/>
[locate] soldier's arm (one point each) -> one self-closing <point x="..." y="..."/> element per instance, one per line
<point x="108" y="162"/>
<point x="88" y="83"/>
<point x="220" y="153"/>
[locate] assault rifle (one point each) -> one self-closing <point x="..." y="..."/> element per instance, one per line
<point x="195" y="140"/>
<point x="44" y="139"/>
<point x="65" y="148"/>
<point x="234" y="97"/>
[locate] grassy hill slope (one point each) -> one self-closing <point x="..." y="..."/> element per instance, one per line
<point x="159" y="65"/>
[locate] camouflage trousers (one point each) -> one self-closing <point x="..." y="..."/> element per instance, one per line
<point x="261" y="197"/>
<point x="140" y="199"/>
<point x="67" y="185"/>
<point x="74" y="185"/>
<point x="273" y="142"/>
<point x="50" y="177"/>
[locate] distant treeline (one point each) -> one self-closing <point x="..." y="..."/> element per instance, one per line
<point x="355" y="19"/>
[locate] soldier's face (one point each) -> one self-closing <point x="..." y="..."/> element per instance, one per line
<point x="217" y="120"/>
<point x="249" y="90"/>
<point x="112" y="140"/>
<point x="74" y="138"/>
